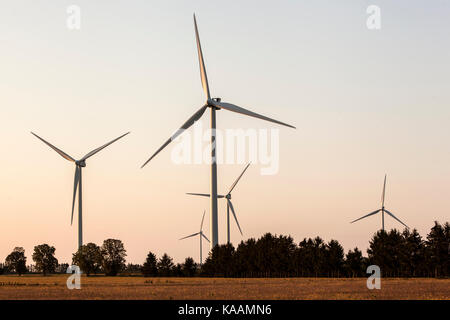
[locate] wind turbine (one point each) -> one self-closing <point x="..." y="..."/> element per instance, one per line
<point x="229" y="204"/>
<point x="383" y="209"/>
<point x="79" y="164"/>
<point x="200" y="235"/>
<point x="213" y="104"/>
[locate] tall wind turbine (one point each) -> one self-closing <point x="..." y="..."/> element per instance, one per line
<point x="79" y="164"/>
<point x="383" y="209"/>
<point x="229" y="204"/>
<point x="213" y="104"/>
<point x="200" y="235"/>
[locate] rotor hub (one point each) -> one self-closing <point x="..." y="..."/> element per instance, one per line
<point x="81" y="163"/>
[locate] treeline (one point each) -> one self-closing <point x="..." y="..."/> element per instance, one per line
<point x="398" y="254"/>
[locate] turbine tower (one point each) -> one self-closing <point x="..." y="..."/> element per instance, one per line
<point x="200" y="235"/>
<point x="213" y="104"/>
<point x="229" y="204"/>
<point x="383" y="209"/>
<point x="79" y="165"/>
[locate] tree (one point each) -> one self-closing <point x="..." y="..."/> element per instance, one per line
<point x="219" y="261"/>
<point x="245" y="262"/>
<point x="16" y="261"/>
<point x="310" y="257"/>
<point x="438" y="249"/>
<point x="189" y="267"/>
<point x="275" y="254"/>
<point x="88" y="258"/>
<point x="354" y="263"/>
<point x="177" y="270"/>
<point x="414" y="253"/>
<point x="113" y="256"/>
<point x="165" y="265"/>
<point x="149" y="269"/>
<point x="44" y="257"/>
<point x="334" y="255"/>
<point x="386" y="250"/>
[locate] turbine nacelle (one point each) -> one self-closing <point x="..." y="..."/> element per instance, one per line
<point x="210" y="103"/>
<point x="81" y="163"/>
<point x="383" y="210"/>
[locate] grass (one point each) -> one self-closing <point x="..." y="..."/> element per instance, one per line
<point x="100" y="287"/>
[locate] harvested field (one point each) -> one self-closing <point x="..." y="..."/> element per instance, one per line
<point x="101" y="287"/>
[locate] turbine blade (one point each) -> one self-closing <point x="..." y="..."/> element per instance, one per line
<point x="384" y="191"/>
<point x="234" y="215"/>
<point x="60" y="152"/>
<point x="237" y="180"/>
<point x="201" y="62"/>
<point x="367" y="215"/>
<point x="234" y="108"/>
<point x="392" y="215"/>
<point x="192" y="235"/>
<point x="205" y="237"/>
<point x="199" y="194"/>
<point x="75" y="186"/>
<point x="203" y="218"/>
<point x="90" y="154"/>
<point x="185" y="126"/>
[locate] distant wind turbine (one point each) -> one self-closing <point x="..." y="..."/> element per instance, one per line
<point x="383" y="210"/>
<point x="229" y="204"/>
<point x="213" y="104"/>
<point x="200" y="235"/>
<point x="79" y="164"/>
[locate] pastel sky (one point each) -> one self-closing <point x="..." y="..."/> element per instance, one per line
<point x="364" y="102"/>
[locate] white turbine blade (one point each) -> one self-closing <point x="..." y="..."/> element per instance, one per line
<point x="234" y="108"/>
<point x="203" y="218"/>
<point x="392" y="215"/>
<point x="75" y="186"/>
<point x="60" y="152"/>
<point x="205" y="237"/>
<point x="204" y="195"/>
<point x="90" y="154"/>
<point x="192" y="235"/>
<point x="201" y="62"/>
<point x="198" y="194"/>
<point x="234" y="215"/>
<point x="384" y="191"/>
<point x="367" y="215"/>
<point x="237" y="180"/>
<point x="185" y="126"/>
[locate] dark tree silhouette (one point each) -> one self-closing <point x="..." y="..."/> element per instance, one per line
<point x="438" y="249"/>
<point x="44" y="257"/>
<point x="413" y="263"/>
<point x="220" y="261"/>
<point x="165" y="265"/>
<point x="113" y="256"/>
<point x="149" y="268"/>
<point x="334" y="256"/>
<point x="354" y="263"/>
<point x="189" y="267"/>
<point x="245" y="262"/>
<point x="177" y="270"/>
<point x="88" y="258"/>
<point x="16" y="261"/>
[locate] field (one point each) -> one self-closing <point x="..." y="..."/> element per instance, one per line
<point x="101" y="287"/>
